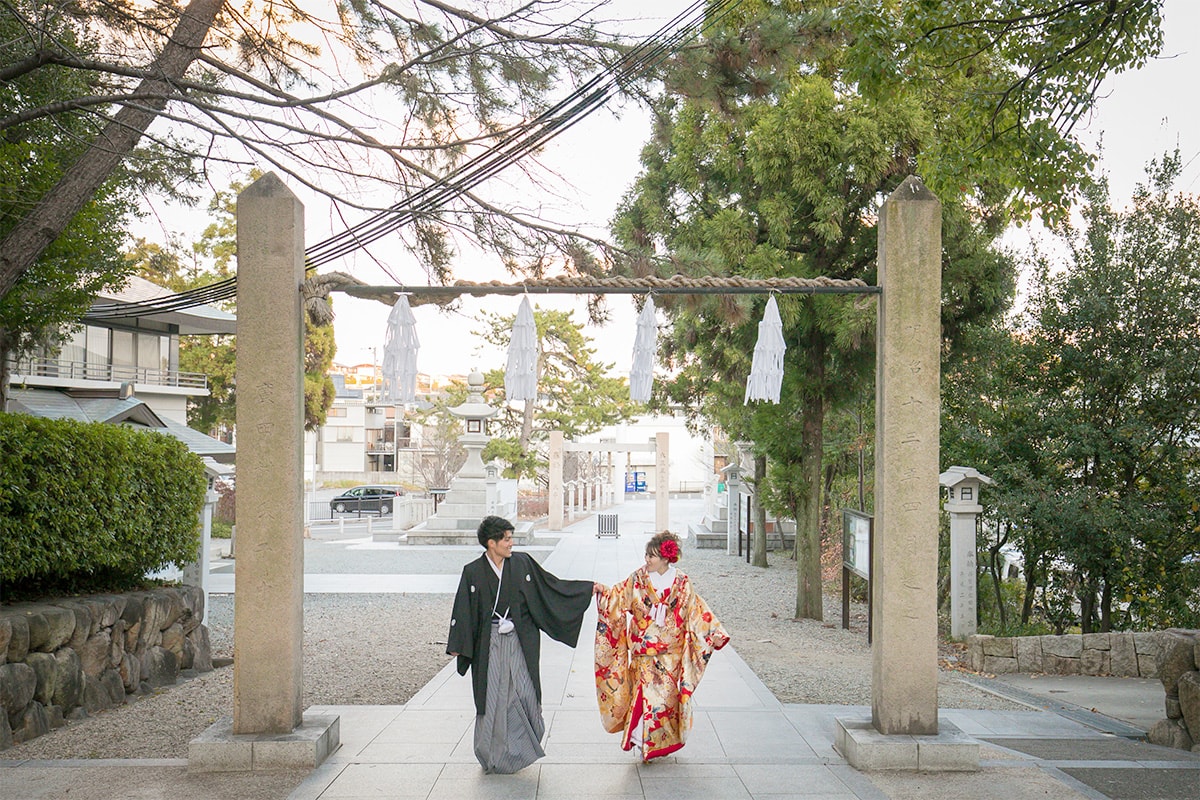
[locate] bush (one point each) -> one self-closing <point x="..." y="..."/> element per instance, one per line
<point x="91" y="506"/>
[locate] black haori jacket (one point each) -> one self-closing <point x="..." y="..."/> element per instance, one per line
<point x="535" y="601"/>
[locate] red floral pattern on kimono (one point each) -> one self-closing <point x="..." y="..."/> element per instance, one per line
<point x="647" y="670"/>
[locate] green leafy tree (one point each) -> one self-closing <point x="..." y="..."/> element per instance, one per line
<point x="1085" y="414"/>
<point x="769" y="165"/>
<point x="575" y="393"/>
<point x="85" y="259"/>
<point x="292" y="85"/>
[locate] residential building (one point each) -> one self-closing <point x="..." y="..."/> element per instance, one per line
<point x="124" y="369"/>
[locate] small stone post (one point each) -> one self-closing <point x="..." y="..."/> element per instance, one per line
<point x="962" y="503"/>
<point x="268" y="606"/>
<point x="908" y="368"/>
<point x="662" y="482"/>
<point x="556" y="480"/>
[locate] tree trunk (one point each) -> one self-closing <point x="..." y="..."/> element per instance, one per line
<point x="5" y="350"/>
<point x="997" y="579"/>
<point x="1030" y="589"/>
<point x="1105" y="606"/>
<point x="25" y="243"/>
<point x="809" y="603"/>
<point x="758" y="552"/>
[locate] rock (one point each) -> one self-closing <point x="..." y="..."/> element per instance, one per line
<point x="1147" y="643"/>
<point x="95" y="696"/>
<point x="69" y="690"/>
<point x="999" y="647"/>
<point x="1123" y="656"/>
<point x="133" y="611"/>
<point x="1095" y="662"/>
<point x="83" y="622"/>
<point x="6" y="735"/>
<point x="172" y="639"/>
<point x="1058" y="665"/>
<point x="975" y="645"/>
<point x="1175" y="658"/>
<point x="1029" y="654"/>
<point x="188" y="658"/>
<point x="5" y="636"/>
<point x="94" y="653"/>
<point x="77" y="713"/>
<point x="1173" y="709"/>
<point x="130" y="672"/>
<point x="32" y="723"/>
<point x="54" y="715"/>
<point x="18" y="642"/>
<point x="117" y="648"/>
<point x="61" y="622"/>
<point x="105" y="608"/>
<point x="39" y="629"/>
<point x="46" y="669"/>
<point x="1147" y="666"/>
<point x="1066" y="646"/>
<point x="201" y="649"/>
<point x="18" y="682"/>
<point x="132" y="632"/>
<point x="1169" y="733"/>
<point x="114" y="686"/>
<point x="999" y="665"/>
<point x="1097" y="641"/>
<point x="160" y="667"/>
<point x="193" y="603"/>
<point x="1189" y="702"/>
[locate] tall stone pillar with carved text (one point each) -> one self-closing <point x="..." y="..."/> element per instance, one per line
<point x="268" y="604"/>
<point x="904" y="563"/>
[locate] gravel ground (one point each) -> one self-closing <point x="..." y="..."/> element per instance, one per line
<point x="801" y="661"/>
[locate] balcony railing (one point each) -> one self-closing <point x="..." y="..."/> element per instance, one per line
<point x="79" y="370"/>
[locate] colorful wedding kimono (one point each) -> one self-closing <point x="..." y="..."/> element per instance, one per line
<point x="652" y="646"/>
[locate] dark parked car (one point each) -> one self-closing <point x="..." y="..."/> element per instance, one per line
<point x="367" y="498"/>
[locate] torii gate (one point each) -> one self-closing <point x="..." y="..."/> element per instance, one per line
<point x="269" y="729"/>
<point x="661" y="473"/>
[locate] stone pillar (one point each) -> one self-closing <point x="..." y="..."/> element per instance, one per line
<point x="556" y="481"/>
<point x="904" y="567"/>
<point x="662" y="482"/>
<point x="963" y="573"/>
<point x="268" y="605"/>
<point x="196" y="573"/>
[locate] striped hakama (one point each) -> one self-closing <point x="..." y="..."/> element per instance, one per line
<point x="508" y="735"/>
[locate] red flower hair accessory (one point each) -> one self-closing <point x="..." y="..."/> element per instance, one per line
<point x="669" y="550"/>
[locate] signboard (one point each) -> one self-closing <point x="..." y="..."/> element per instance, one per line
<point x="856" y="558"/>
<point x="856" y="537"/>
<point x="635" y="481"/>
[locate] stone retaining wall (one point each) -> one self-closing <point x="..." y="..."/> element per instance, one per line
<point x="1124" y="654"/>
<point x="1179" y="671"/>
<point x="63" y="659"/>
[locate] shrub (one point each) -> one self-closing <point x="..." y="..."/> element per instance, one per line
<point x="92" y="506"/>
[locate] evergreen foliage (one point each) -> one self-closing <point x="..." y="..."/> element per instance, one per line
<point x="91" y="506"/>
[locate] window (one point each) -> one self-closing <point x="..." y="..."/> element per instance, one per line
<point x="150" y="355"/>
<point x="345" y="433"/>
<point x="122" y="355"/>
<point x="97" y="352"/>
<point x="336" y="412"/>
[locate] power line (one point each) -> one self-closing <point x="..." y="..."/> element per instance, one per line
<point x="590" y="96"/>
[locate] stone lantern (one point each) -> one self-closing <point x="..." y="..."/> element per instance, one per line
<point x="474" y="413"/>
<point x="962" y="502"/>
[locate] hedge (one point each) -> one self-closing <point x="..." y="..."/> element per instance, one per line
<point x="92" y="506"/>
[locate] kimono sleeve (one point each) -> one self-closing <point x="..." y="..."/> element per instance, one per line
<point x="557" y="606"/>
<point x="614" y="681"/>
<point x="461" y="638"/>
